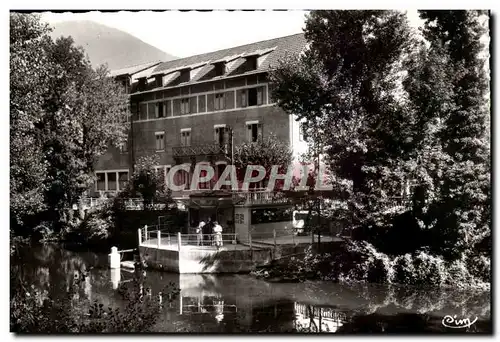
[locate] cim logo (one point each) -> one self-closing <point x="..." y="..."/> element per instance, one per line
<point x="454" y="323"/>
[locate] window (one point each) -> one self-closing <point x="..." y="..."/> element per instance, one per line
<point x="167" y="108"/>
<point x="186" y="137"/>
<point x="193" y="104"/>
<point x="124" y="147"/>
<point x="143" y="111"/>
<point x="219" y="101"/>
<point x="122" y="179"/>
<point x="160" y="141"/>
<point x="101" y="181"/>
<point x="220" y="135"/>
<point x="112" y="181"/>
<point x="159" y="80"/>
<point x="229" y="100"/>
<point x="254" y="131"/>
<point x="244" y="98"/>
<point x="142" y="84"/>
<point x="202" y="103"/>
<point x="185" y="75"/>
<point x="252" y="62"/>
<point x="160" y="112"/>
<point x="151" y="110"/>
<point x="220" y="69"/>
<point x="255" y="96"/>
<point x="185" y="106"/>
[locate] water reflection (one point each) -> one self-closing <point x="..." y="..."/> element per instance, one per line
<point x="317" y="319"/>
<point x="240" y="303"/>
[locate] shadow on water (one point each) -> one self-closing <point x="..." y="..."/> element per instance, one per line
<point x="240" y="303"/>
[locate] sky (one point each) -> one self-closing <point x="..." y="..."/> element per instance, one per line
<point x="184" y="34"/>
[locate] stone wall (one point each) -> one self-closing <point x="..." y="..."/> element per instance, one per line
<point x="205" y="261"/>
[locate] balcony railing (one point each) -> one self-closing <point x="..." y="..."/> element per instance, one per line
<point x="260" y="197"/>
<point x="197" y="150"/>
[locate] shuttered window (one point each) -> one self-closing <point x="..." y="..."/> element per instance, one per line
<point x="202" y="103"/>
<point x="186" y="138"/>
<point x="229" y="99"/>
<point x="151" y="110"/>
<point x="193" y="105"/>
<point x="219" y="102"/>
<point x="254" y="132"/>
<point x="143" y="111"/>
<point x="160" y="141"/>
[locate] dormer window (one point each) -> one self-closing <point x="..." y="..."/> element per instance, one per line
<point x="159" y="80"/>
<point x="220" y="68"/>
<point x="252" y="62"/>
<point x="142" y="84"/>
<point x="185" y="75"/>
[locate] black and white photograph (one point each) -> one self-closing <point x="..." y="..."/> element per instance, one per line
<point x="298" y="172"/>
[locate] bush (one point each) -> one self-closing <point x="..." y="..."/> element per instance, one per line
<point x="366" y="264"/>
<point x="429" y="270"/>
<point x="480" y="267"/>
<point x="94" y="228"/>
<point x="359" y="261"/>
<point x="44" y="232"/>
<point x="404" y="272"/>
<point x="458" y="275"/>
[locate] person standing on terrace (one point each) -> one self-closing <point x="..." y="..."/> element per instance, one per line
<point x="199" y="233"/>
<point x="218" y="234"/>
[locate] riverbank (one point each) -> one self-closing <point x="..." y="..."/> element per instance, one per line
<point x="232" y="303"/>
<point x="360" y="262"/>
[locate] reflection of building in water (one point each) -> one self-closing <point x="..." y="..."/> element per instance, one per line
<point x="213" y="305"/>
<point x="272" y="316"/>
<point x="318" y="319"/>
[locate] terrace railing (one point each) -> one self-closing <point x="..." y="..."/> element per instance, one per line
<point x="199" y="150"/>
<point x="129" y="203"/>
<point x="260" y="196"/>
<point x="153" y="237"/>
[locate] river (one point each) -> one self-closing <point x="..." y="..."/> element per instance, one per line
<point x="241" y="303"/>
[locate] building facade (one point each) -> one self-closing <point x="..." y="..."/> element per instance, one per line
<point x="195" y="109"/>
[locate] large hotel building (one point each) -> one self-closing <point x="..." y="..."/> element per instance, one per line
<point x="185" y="109"/>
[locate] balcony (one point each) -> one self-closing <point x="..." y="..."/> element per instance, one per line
<point x="259" y="197"/>
<point x="200" y="150"/>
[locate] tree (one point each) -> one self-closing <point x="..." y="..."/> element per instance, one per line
<point x="71" y="115"/>
<point x="449" y="86"/>
<point x="150" y="183"/>
<point x="87" y="113"/>
<point x="345" y="87"/>
<point x="29" y="77"/>
<point x="264" y="152"/>
<point x="389" y="107"/>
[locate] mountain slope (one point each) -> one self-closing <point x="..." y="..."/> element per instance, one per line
<point x="105" y="44"/>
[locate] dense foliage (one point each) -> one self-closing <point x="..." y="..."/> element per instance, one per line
<point x="64" y="115"/>
<point x="265" y="152"/>
<point x="33" y="309"/>
<point x="360" y="262"/>
<point x="149" y="183"/>
<point x="399" y="115"/>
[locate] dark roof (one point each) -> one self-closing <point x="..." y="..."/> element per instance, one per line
<point x="133" y="69"/>
<point x="281" y="47"/>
